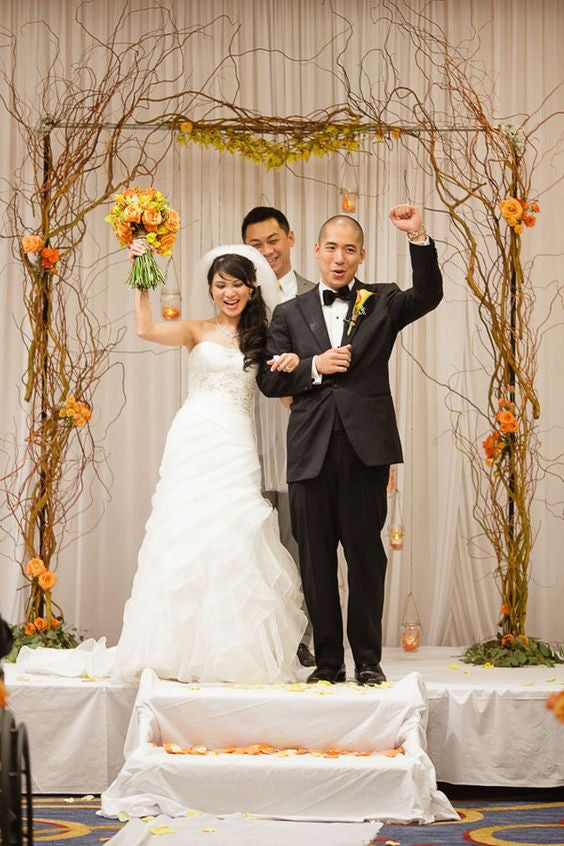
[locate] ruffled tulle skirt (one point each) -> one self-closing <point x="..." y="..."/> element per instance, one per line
<point x="216" y="596"/>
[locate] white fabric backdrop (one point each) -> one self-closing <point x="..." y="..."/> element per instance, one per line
<point x="520" y="45"/>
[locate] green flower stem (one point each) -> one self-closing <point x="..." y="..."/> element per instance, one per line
<point x="145" y="273"/>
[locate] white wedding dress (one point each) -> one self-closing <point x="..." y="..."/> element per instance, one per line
<point x="216" y="597"/>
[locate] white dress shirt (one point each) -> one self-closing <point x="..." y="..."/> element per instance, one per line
<point x="334" y="316"/>
<point x="288" y="285"/>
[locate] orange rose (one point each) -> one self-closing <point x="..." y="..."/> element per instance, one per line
<point x="493" y="446"/>
<point x="152" y="218"/>
<point x="518" y="229"/>
<point x="41" y="624"/>
<point x="505" y="609"/>
<point x="173" y="221"/>
<point x="535" y="208"/>
<point x="186" y="126"/>
<point x="31" y="243"/>
<point x="524" y="639"/>
<point x="132" y="213"/>
<point x="124" y="233"/>
<point x="507" y="638"/>
<point x="559" y="707"/>
<point x="55" y="623"/>
<point x="529" y="219"/>
<point x="49" y="257"/>
<point x="507" y="421"/>
<point x="30" y="629"/>
<point x="555" y="702"/>
<point x="47" y="580"/>
<point x="166" y="243"/>
<point x="34" y="568"/>
<point x="505" y="403"/>
<point x="3" y="695"/>
<point x="511" y="209"/>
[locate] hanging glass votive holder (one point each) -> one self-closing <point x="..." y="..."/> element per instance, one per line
<point x="170" y="304"/>
<point x="395" y="523"/>
<point x="411" y="635"/>
<point x="349" y="200"/>
<point x="396" y="535"/>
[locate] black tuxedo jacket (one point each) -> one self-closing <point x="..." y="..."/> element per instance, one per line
<point x="361" y="396"/>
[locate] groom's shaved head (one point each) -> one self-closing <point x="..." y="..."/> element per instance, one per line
<point x="342" y="219"/>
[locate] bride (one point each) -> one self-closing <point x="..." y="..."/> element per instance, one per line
<point x="216" y="597"/>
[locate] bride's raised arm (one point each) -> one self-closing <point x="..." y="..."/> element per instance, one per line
<point x="177" y="334"/>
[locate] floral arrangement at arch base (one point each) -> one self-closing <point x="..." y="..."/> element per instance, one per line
<point x="510" y="647"/>
<point x="45" y="622"/>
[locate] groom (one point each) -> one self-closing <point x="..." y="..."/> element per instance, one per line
<point x="342" y="434"/>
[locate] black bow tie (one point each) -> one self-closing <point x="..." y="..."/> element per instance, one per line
<point x="329" y="296"/>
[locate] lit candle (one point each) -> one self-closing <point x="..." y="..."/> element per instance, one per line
<point x="348" y="202"/>
<point x="411" y="637"/>
<point x="396" y="537"/>
<point x="170" y="312"/>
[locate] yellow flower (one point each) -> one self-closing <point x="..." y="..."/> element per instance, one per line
<point x="362" y="295"/>
<point x="488" y="666"/>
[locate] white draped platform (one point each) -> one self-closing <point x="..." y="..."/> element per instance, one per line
<point x="287" y="717"/>
<point x="484" y="726"/>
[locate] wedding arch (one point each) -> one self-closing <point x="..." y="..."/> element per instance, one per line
<point x="131" y="103"/>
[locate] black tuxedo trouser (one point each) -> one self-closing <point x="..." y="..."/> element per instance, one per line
<point x="346" y="502"/>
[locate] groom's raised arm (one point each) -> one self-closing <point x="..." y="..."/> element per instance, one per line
<point x="279" y="340"/>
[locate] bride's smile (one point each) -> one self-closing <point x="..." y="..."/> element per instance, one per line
<point x="230" y="294"/>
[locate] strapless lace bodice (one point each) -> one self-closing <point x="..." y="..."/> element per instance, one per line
<point x="216" y="372"/>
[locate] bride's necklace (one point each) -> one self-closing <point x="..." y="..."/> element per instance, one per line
<point x="230" y="335"/>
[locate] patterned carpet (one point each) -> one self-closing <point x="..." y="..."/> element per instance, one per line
<point x="488" y="816"/>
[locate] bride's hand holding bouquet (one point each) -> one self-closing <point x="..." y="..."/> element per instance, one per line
<point x="144" y="213"/>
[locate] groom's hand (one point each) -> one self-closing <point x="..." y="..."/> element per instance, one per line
<point x="335" y="360"/>
<point x="406" y="218"/>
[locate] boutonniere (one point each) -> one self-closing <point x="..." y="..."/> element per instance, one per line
<point x="362" y="295"/>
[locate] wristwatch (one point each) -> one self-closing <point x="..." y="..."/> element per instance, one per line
<point x="413" y="236"/>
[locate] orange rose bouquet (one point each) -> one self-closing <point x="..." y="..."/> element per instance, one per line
<point x="145" y="213"/>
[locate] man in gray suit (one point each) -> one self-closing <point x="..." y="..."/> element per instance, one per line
<point x="268" y="231"/>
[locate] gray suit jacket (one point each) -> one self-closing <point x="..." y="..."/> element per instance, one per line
<point x="304" y="285"/>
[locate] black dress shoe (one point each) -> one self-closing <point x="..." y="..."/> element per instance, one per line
<point x="305" y="656"/>
<point x="369" y="674"/>
<point x="328" y="674"/>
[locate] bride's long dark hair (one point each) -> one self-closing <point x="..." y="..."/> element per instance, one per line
<point x="254" y="318"/>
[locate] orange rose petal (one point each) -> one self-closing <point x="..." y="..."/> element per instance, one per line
<point x="392" y="753"/>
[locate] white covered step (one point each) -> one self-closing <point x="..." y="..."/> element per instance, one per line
<point x="299" y="786"/>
